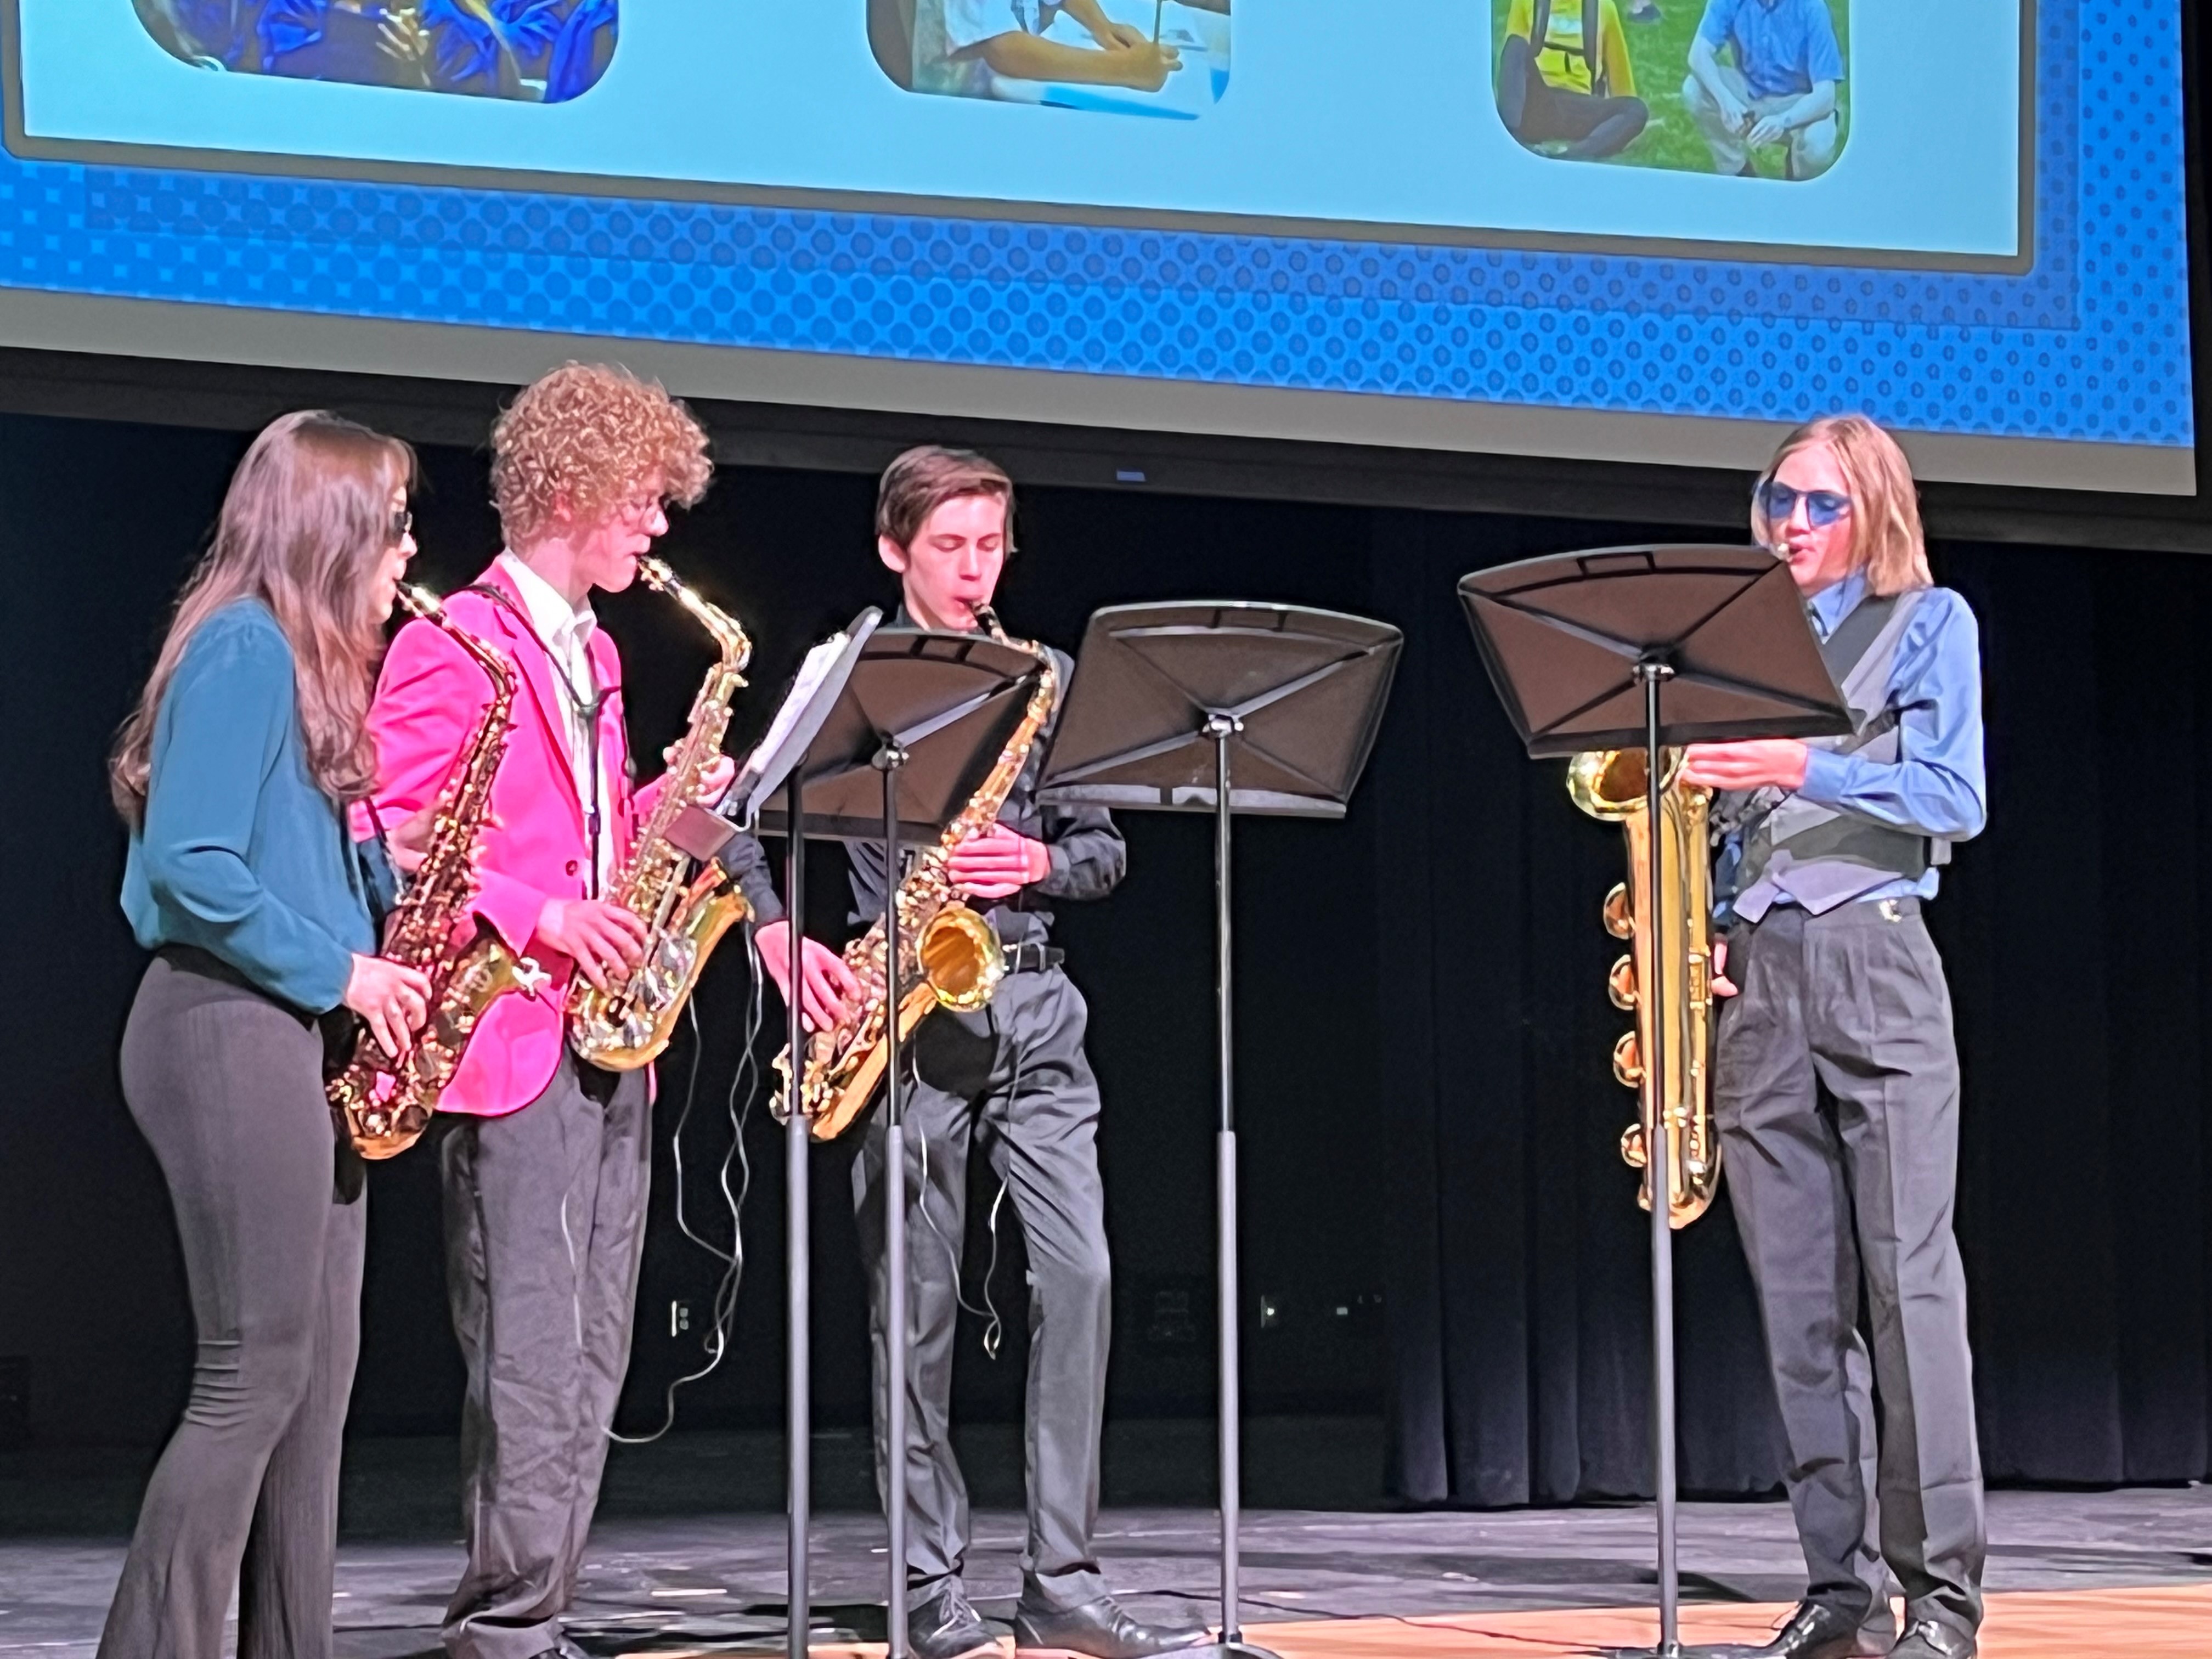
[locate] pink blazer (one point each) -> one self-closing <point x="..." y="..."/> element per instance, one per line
<point x="430" y="698"/>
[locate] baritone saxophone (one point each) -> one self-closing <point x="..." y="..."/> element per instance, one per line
<point x="384" y="1104"/>
<point x="1664" y="910"/>
<point x="686" y="909"/>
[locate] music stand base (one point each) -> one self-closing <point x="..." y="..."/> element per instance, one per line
<point x="1684" y="1650"/>
<point x="1239" y="1649"/>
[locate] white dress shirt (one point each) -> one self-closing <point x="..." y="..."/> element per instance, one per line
<point x="566" y="632"/>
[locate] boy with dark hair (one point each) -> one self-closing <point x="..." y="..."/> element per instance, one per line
<point x="1017" y="1073"/>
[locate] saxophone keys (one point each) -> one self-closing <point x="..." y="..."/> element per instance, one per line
<point x="1619" y="921"/>
<point x="1628" y="1062"/>
<point x="1620" y="983"/>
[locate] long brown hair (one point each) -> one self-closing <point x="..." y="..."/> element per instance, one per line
<point x="1886" y="542"/>
<point x="307" y="517"/>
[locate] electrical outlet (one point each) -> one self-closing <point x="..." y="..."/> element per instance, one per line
<point x="679" y="1317"/>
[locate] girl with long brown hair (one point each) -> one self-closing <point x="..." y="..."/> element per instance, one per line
<point x="235" y="775"/>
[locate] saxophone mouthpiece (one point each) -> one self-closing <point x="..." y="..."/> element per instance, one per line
<point x="657" y="576"/>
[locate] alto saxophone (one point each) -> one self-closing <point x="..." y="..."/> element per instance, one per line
<point x="1665" y="910"/>
<point x="949" y="956"/>
<point x="685" y="910"/>
<point x="384" y="1104"/>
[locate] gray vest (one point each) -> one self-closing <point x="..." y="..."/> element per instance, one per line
<point x="1819" y="857"/>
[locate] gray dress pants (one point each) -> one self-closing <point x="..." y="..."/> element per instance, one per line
<point x="544" y="1227"/>
<point x="1017" y="1071"/>
<point x="227" y="1086"/>
<point x="1836" y="1091"/>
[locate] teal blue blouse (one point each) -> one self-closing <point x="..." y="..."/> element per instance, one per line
<point x="242" y="854"/>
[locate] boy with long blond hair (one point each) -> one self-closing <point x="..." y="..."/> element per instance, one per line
<point x="1836" y="1072"/>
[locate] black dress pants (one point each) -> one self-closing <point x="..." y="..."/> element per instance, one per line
<point x="227" y="1086"/>
<point x="1017" y="1075"/>
<point x="1535" y="112"/>
<point x="544" y="1228"/>
<point x="1836" y="1092"/>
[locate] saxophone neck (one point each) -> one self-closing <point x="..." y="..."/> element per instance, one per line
<point x="729" y="634"/>
<point x="432" y="610"/>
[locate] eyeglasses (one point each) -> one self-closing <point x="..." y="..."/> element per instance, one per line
<point x="403" y="524"/>
<point x="1776" y="502"/>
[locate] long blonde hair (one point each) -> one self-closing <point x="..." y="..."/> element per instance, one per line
<point x="1886" y="542"/>
<point x="307" y="518"/>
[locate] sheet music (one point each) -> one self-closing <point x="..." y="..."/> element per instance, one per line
<point x="811" y="672"/>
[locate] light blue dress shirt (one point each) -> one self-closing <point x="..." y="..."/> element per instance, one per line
<point x="1937" y="786"/>
<point x="1783" y="47"/>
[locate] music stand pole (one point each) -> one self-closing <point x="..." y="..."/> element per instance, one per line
<point x="1654" y="674"/>
<point x="1221" y="728"/>
<point x="797" y="1608"/>
<point x="888" y="760"/>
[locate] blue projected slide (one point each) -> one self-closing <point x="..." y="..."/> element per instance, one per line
<point x="1643" y="229"/>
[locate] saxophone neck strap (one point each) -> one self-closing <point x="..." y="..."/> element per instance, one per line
<point x="587" y="707"/>
<point x="587" y="711"/>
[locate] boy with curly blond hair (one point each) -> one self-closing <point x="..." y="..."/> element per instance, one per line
<point x="546" y="1167"/>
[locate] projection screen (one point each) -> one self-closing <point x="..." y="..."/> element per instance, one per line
<point x="1653" y="230"/>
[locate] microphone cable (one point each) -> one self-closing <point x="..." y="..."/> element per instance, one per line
<point x="745" y="1086"/>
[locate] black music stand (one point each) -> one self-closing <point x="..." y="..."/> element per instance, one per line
<point x="1579" y="646"/>
<point x="774" y="765"/>
<point x="906" y="733"/>
<point x="1168" y="701"/>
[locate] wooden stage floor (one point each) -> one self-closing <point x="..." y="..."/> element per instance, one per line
<point x="2161" y="1622"/>
<point x="2150" y="1622"/>
<point x="688" y="1557"/>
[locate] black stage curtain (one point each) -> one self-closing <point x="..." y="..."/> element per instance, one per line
<point x="2074" y="931"/>
<point x="1426" y="1103"/>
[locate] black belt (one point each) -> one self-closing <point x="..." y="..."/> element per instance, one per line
<point x="1033" y="957"/>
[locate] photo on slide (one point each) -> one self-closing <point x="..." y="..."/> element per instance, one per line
<point x="1158" y="58"/>
<point x="529" y="50"/>
<point x="1756" y="88"/>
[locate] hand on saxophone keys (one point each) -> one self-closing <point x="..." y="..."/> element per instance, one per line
<point x="997" y="863"/>
<point x="828" y="992"/>
<point x="410" y="842"/>
<point x="394" y="1002"/>
<point x="713" y="782"/>
<point x="599" y="937"/>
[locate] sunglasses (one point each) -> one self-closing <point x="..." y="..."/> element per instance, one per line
<point x="1776" y="502"/>
<point x="402" y="522"/>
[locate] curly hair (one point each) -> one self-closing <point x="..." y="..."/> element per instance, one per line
<point x="579" y="441"/>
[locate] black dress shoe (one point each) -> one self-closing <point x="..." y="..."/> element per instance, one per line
<point x="1813" y="1631"/>
<point x="946" y="1628"/>
<point x="1097" y="1630"/>
<point x="1926" y="1639"/>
